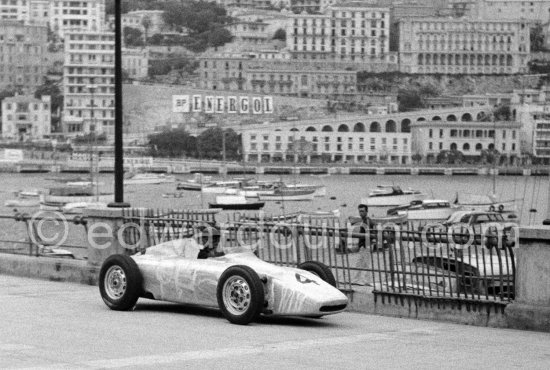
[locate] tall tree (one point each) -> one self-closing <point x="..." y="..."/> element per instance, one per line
<point x="146" y="23"/>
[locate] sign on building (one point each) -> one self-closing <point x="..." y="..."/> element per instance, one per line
<point x="222" y="104"/>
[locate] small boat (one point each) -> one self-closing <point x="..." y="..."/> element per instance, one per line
<point x="391" y="196"/>
<point x="427" y="209"/>
<point x="78" y="207"/>
<point x="174" y="195"/>
<point x="25" y="199"/>
<point x="56" y="198"/>
<point x="196" y="183"/>
<point x="220" y="187"/>
<point x="149" y="179"/>
<point x="484" y="203"/>
<point x="235" y="202"/>
<point x="258" y="188"/>
<point x="288" y="195"/>
<point x="319" y="190"/>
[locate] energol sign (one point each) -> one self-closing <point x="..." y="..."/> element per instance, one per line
<point x="222" y="104"/>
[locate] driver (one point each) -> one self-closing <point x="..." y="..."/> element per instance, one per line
<point x="209" y="238"/>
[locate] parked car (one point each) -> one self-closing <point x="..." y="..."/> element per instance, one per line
<point x="471" y="254"/>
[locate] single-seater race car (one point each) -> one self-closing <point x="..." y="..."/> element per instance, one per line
<point x="237" y="281"/>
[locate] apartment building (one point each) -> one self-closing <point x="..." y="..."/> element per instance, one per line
<point x="16" y="10"/>
<point x="135" y="62"/>
<point x="25" y="117"/>
<point x="353" y="31"/>
<point x="429" y="138"/>
<point x="246" y="72"/>
<point x="85" y="15"/>
<point x="22" y="55"/>
<point x="366" y="138"/>
<point x="462" y="46"/>
<point x="88" y="83"/>
<point x="531" y="11"/>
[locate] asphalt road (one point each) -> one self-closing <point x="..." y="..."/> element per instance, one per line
<point x="60" y="325"/>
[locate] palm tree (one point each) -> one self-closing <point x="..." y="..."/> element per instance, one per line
<point x="146" y="23"/>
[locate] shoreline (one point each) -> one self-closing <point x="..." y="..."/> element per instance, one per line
<point x="188" y="167"/>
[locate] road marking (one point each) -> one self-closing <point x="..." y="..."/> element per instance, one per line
<point x="168" y="358"/>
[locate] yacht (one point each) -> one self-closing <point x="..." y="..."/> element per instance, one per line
<point x="391" y="196"/>
<point x="285" y="194"/>
<point x="149" y="179"/>
<point x="235" y="202"/>
<point x="196" y="183"/>
<point x="29" y="198"/>
<point x="427" y="209"/>
<point x="56" y="198"/>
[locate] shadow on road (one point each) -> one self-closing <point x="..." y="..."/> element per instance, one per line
<point x="211" y="312"/>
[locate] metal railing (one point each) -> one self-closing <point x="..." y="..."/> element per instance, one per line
<point x="469" y="264"/>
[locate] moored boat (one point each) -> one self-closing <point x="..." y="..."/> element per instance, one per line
<point x="318" y="190"/>
<point x="29" y="198"/>
<point x="392" y="196"/>
<point x="149" y="179"/>
<point x="235" y="202"/>
<point x="288" y="195"/>
<point x="427" y="209"/>
<point x="196" y="183"/>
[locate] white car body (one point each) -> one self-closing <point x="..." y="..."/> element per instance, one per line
<point x="172" y="272"/>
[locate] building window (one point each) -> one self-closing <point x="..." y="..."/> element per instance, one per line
<point x="430" y="135"/>
<point x="430" y="146"/>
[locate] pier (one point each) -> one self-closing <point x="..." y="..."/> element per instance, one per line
<point x="213" y="168"/>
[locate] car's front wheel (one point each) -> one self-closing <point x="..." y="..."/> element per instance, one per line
<point x="120" y="282"/>
<point x="319" y="269"/>
<point x="240" y="294"/>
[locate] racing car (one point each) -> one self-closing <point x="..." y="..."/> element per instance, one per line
<point x="236" y="281"/>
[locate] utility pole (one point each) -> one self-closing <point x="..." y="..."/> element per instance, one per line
<point x="119" y="164"/>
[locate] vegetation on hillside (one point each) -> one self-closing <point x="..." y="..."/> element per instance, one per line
<point x="208" y="145"/>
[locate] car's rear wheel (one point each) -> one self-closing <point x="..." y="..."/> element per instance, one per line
<point x="240" y="294"/>
<point x="319" y="269"/>
<point x="120" y="282"/>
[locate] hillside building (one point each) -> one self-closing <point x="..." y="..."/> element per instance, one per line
<point x="25" y="117"/>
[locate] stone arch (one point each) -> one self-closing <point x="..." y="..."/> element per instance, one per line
<point x="359" y="127"/>
<point x="480" y="116"/>
<point x="436" y="118"/>
<point x="453" y="146"/>
<point x="327" y="128"/>
<point x="343" y="128"/>
<point x="420" y="119"/>
<point x="406" y="125"/>
<point x="375" y="127"/>
<point x="479" y="147"/>
<point x="466" y="117"/>
<point x="391" y="126"/>
<point x="451" y="118"/>
<point x="466" y="147"/>
<point x="311" y="128"/>
<point x="294" y="129"/>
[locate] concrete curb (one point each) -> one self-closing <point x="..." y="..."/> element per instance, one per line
<point x="55" y="269"/>
<point x="362" y="299"/>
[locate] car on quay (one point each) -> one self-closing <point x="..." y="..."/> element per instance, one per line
<point x="470" y="254"/>
<point x="232" y="279"/>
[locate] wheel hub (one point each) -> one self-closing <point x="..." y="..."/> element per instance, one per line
<point x="115" y="282"/>
<point x="236" y="295"/>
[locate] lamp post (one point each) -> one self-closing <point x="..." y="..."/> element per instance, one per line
<point x="119" y="166"/>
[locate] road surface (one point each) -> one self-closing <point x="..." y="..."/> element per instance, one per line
<point x="56" y="325"/>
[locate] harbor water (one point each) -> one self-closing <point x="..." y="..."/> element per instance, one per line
<point x="343" y="191"/>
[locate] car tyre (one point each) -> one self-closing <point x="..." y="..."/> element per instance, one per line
<point x="120" y="282"/>
<point x="240" y="294"/>
<point x="319" y="269"/>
